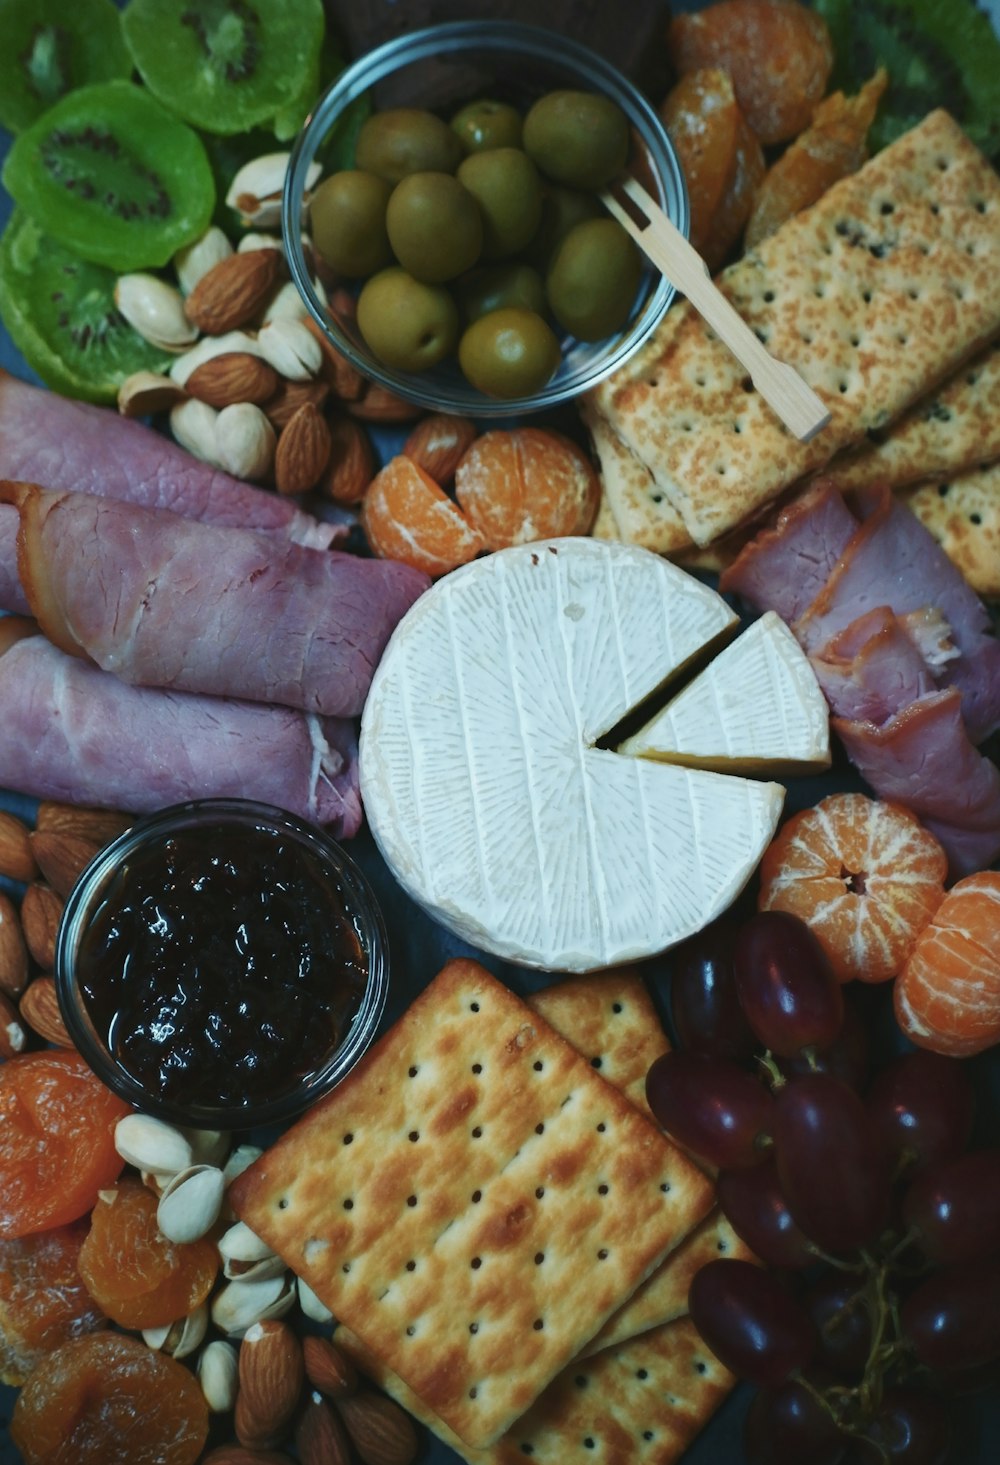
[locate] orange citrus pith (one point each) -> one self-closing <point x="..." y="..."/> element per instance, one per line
<point x="526" y="484"/>
<point x="865" y="875"/>
<point x="407" y="517"/>
<point x="948" y="994"/>
<point x="108" y="1398"/>
<point x="141" y="1279"/>
<point x="56" y="1141"/>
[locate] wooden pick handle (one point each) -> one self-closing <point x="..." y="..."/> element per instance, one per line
<point x="781" y="386"/>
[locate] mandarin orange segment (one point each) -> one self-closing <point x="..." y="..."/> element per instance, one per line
<point x="703" y="120"/>
<point x="778" y="52"/>
<point x="947" y="997"/>
<point x="56" y="1141"/>
<point x="108" y="1398"/>
<point x="832" y="146"/>
<point x="525" y="484"/>
<point x="138" y="1277"/>
<point x="43" y="1301"/>
<point x="406" y="516"/>
<point x="864" y="874"/>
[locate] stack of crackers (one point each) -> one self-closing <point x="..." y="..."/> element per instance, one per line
<point x="505" y="1236"/>
<point x="885" y="296"/>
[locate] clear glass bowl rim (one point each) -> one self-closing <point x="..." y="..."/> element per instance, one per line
<point x="470" y="35"/>
<point x="202" y="813"/>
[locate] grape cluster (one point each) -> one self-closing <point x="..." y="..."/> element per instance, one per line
<point x="879" y="1300"/>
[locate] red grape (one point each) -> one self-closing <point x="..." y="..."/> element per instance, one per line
<point x="753" y="1204"/>
<point x="910" y="1427"/>
<point x="788" y="991"/>
<point x="830" y="1168"/>
<point x="750" y="1322"/>
<point x="838" y="1306"/>
<point x="848" y="1057"/>
<point x="922" y="1107"/>
<point x="710" y="1107"/>
<point x="954" y="1207"/>
<point x="704" y="1002"/>
<point x="953" y="1318"/>
<point x="787" y="1425"/>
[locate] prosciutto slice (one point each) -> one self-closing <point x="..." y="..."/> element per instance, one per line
<point x="162" y="601"/>
<point x="901" y="648"/>
<point x="45" y="438"/>
<point x="74" y="733"/>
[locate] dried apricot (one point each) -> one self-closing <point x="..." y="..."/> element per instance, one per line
<point x="864" y="874"/>
<point x="43" y="1301"/>
<point x="108" y="1398"/>
<point x="947" y="996"/>
<point x="56" y="1140"/>
<point x="730" y="217"/>
<point x="524" y="484"/>
<point x="141" y="1279"/>
<point x="832" y="146"/>
<point x="407" y="516"/>
<point x="702" y="118"/>
<point x="778" y="53"/>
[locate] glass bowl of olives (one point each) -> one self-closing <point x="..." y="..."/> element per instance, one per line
<point x="475" y="268"/>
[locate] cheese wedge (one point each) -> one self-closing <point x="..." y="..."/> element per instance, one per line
<point x="482" y="783"/>
<point x="756" y="708"/>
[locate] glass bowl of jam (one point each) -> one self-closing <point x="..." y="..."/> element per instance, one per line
<point x="222" y="964"/>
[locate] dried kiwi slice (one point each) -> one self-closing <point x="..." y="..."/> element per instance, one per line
<point x="227" y="65"/>
<point x="50" y="47"/>
<point x="61" y="315"/>
<point x="114" y="176"/>
<point x="939" y="53"/>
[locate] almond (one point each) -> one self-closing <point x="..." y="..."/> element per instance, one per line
<point x="233" y="291"/>
<point x="99" y="825"/>
<point x="381" y="1432"/>
<point x="380" y="405"/>
<point x="62" y="857"/>
<point x="16" y="860"/>
<point x="438" y="443"/>
<point x="39" y="1007"/>
<point x="290" y="396"/>
<point x="351" y="465"/>
<point x="302" y="452"/>
<point x="328" y="1368"/>
<point x="13" y="1038"/>
<point x="320" y="1437"/>
<point x="271" y="1378"/>
<point x="13" y="951"/>
<point x="236" y="376"/>
<point x="345" y="381"/>
<point x="41" y="912"/>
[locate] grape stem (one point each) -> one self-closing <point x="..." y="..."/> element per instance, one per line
<point x="772" y="1073"/>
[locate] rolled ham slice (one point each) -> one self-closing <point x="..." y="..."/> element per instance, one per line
<point x="162" y="601"/>
<point x="45" y="438"/>
<point x="76" y="734"/>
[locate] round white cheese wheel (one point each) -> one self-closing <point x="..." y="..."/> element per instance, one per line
<point x="482" y="783"/>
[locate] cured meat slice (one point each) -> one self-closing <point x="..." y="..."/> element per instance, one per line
<point x="162" y="601"/>
<point x="872" y="669"/>
<point x="76" y="734"/>
<point x="922" y="757"/>
<point x="48" y="439"/>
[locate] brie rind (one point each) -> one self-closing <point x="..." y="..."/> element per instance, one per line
<point x="757" y="707"/>
<point x="483" y="787"/>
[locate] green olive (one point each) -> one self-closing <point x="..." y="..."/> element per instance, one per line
<point x="407" y="324"/>
<point x="593" y="280"/>
<point x="435" y="227"/>
<point x="562" y="210"/>
<point x="404" y="140"/>
<point x="484" y="124"/>
<point x="347" y="219"/>
<point x="494" y="286"/>
<point x="505" y="184"/>
<point x="577" y="138"/>
<point x="509" y="353"/>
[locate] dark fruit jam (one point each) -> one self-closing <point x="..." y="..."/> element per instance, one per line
<point x="222" y="965"/>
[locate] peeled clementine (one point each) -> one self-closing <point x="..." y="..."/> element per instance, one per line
<point x="947" y="997"/>
<point x="406" y="516"/>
